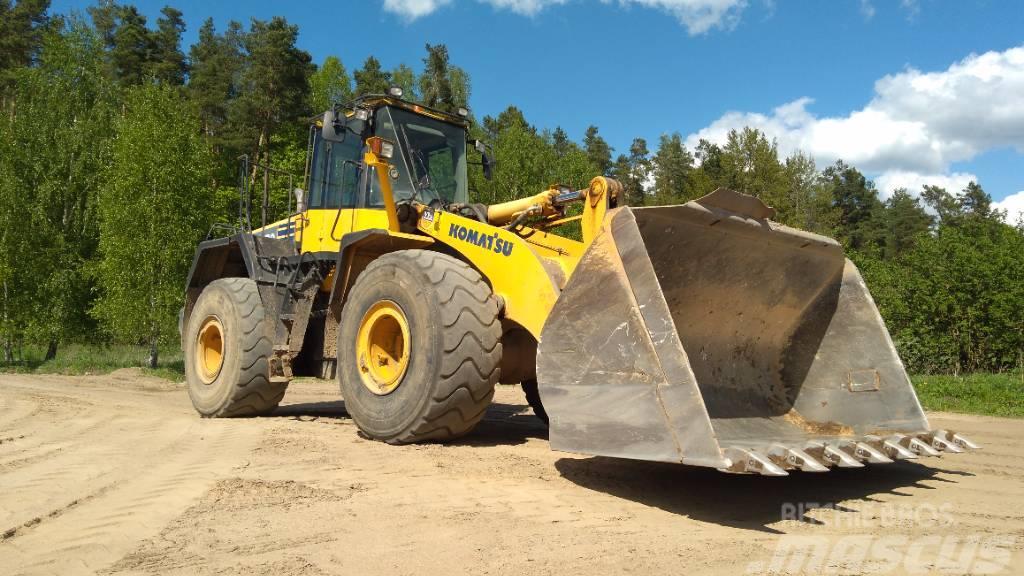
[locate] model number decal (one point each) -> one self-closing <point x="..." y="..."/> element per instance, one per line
<point x="488" y="241"/>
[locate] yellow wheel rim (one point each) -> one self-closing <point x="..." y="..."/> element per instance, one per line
<point x="382" y="347"/>
<point x="209" y="350"/>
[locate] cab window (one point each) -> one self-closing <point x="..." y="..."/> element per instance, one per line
<point x="432" y="163"/>
<point x="334" y="180"/>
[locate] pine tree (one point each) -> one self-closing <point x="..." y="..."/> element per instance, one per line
<point x="216" y="60"/>
<point x="905" y="221"/>
<point x="104" y="16"/>
<point x="22" y="26"/>
<point x="621" y="172"/>
<point x="640" y="169"/>
<point x="709" y="155"/>
<point x="944" y="204"/>
<point x="371" y="78"/>
<point x="133" y="47"/>
<point x="598" y="151"/>
<point x="860" y="210"/>
<point x="633" y="171"/>
<point x="560" y="141"/>
<point x="976" y="202"/>
<point x="273" y="88"/>
<point x="435" y="84"/>
<point x="673" y="165"/>
<point x="168" y="61"/>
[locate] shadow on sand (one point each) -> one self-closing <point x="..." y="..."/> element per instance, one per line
<point x="744" y="501"/>
<point x="750" y="502"/>
<point x="503" y="424"/>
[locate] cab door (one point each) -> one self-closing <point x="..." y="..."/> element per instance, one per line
<point x="334" y="184"/>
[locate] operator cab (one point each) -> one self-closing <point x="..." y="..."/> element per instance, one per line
<point x="429" y="164"/>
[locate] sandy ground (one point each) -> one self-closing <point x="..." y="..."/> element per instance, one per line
<point x="117" y="475"/>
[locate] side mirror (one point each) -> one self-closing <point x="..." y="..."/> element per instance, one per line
<point x="485" y="161"/>
<point x="487" y="165"/>
<point x="333" y="130"/>
<point x="300" y="200"/>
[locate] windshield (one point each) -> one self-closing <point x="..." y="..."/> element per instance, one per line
<point x="433" y="163"/>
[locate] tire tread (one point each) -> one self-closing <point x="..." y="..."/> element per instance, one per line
<point x="471" y="344"/>
<point x="253" y="392"/>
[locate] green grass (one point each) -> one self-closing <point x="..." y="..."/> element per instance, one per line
<point x="981" y="393"/>
<point x="988" y="394"/>
<point x="97" y="359"/>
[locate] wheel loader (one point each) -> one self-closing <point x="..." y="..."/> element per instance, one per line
<point x="703" y="333"/>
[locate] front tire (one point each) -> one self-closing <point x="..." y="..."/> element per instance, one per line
<point x="419" y="348"/>
<point x="227" y="352"/>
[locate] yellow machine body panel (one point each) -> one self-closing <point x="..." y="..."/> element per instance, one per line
<point x="527" y="282"/>
<point x="321" y="230"/>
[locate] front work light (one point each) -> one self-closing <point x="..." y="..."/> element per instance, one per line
<point x="381" y="147"/>
<point x="395" y="91"/>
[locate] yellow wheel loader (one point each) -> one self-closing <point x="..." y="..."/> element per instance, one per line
<point x="702" y="333"/>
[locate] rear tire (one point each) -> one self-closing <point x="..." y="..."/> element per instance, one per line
<point x="229" y="314"/>
<point x="453" y="348"/>
<point x="533" y="399"/>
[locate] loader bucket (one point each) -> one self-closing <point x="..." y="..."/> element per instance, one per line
<point x="706" y="334"/>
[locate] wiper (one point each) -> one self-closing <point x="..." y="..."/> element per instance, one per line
<point x="422" y="183"/>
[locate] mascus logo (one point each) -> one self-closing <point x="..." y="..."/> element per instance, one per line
<point x="488" y="241"/>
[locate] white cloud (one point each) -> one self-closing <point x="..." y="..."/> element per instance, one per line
<point x="867" y="9"/>
<point x="918" y="123"/>
<point x="954" y="183"/>
<point x="911" y="7"/>
<point x="698" y="16"/>
<point x="1014" y="206"/>
<point x="524" y="7"/>
<point x="413" y="9"/>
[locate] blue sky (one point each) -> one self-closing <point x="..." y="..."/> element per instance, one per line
<point x="910" y="91"/>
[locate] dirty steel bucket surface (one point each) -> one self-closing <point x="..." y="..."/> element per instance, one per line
<point x="705" y="334"/>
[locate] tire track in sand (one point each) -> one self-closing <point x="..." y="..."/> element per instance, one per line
<point x="96" y="532"/>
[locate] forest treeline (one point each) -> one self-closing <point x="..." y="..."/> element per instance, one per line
<point x="119" y="150"/>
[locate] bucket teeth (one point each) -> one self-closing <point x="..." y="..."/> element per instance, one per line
<point x="831" y="455"/>
<point x="890" y="447"/>
<point x="958" y="440"/>
<point x="962" y="441"/>
<point x="864" y="452"/>
<point x="790" y="458"/>
<point x="750" y="462"/>
<point x="820" y="455"/>
<point x="918" y="447"/>
<point x="895" y="450"/>
<point x="939" y="442"/>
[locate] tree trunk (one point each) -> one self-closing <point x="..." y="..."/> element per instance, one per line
<point x="51" y="351"/>
<point x="153" y="353"/>
<point x="8" y="348"/>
